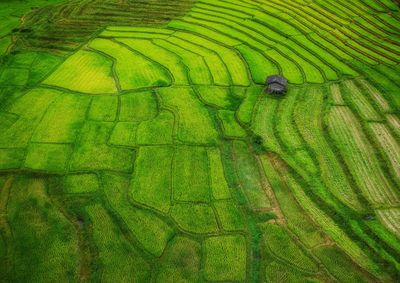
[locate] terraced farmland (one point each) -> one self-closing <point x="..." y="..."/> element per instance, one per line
<point x="138" y="143"/>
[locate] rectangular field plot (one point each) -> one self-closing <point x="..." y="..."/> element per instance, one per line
<point x="225" y="258"/>
<point x="220" y="188"/>
<point x="137" y="107"/>
<point x="103" y="108"/>
<point x="11" y="158"/>
<point x="93" y="152"/>
<point x="81" y="183"/>
<point x="152" y="180"/>
<point x="191" y="175"/>
<point x="249" y="176"/>
<point x="48" y="157"/>
<point x="181" y="261"/>
<point x="62" y="120"/>
<point x="195" y="218"/>
<point x="194" y="122"/>
<point x="158" y="131"/>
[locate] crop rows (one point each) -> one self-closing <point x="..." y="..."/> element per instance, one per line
<point x="137" y="141"/>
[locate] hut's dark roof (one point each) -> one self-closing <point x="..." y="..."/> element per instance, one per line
<point x="277" y="79"/>
<point x="276" y="88"/>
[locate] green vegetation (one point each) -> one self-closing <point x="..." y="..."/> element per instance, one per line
<point x="138" y="142"/>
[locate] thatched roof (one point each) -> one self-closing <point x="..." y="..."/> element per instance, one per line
<point x="276" y="84"/>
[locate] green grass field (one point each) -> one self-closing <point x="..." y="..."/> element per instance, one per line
<point x="138" y="142"/>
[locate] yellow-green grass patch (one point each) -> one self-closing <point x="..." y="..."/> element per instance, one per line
<point x="151" y="181"/>
<point x="149" y="230"/>
<point x="84" y="71"/>
<point x="195" y="218"/>
<point x="132" y="68"/>
<point x="103" y="108"/>
<point x="136" y="107"/>
<point x="225" y="258"/>
<point x="48" y="157"/>
<point x="191" y="174"/>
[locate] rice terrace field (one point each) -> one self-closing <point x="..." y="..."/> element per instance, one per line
<point x="138" y="142"/>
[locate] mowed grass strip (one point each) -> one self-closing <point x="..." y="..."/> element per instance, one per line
<point x="225" y="258"/>
<point x="85" y="71"/>
<point x="151" y="183"/>
<point x="132" y="68"/>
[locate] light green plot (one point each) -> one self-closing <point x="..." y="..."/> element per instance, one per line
<point x="198" y="70"/>
<point x="234" y="63"/>
<point x="225" y="258"/>
<point x="81" y="183"/>
<point x="215" y="96"/>
<point x="120" y="261"/>
<point x="84" y="71"/>
<point x="230" y="216"/>
<point x="218" y="69"/>
<point x="194" y="121"/>
<point x="48" y="157"/>
<point x="133" y="69"/>
<point x="195" y="218"/>
<point x="151" y="232"/>
<point x="93" y="152"/>
<point x="191" y="174"/>
<point x="23" y="115"/>
<point x="260" y="67"/>
<point x="157" y="131"/>
<point x="168" y="59"/>
<point x="103" y="108"/>
<point x="137" y="107"/>
<point x="229" y="124"/>
<point x="220" y="188"/>
<point x="63" y="120"/>
<point x="180" y="262"/>
<point x="11" y="158"/>
<point x="151" y="182"/>
<point x="289" y="69"/>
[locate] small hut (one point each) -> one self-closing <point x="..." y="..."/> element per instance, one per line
<point x="277" y="84"/>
